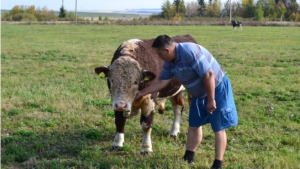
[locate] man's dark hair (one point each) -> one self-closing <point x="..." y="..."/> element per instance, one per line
<point x="162" y="41"/>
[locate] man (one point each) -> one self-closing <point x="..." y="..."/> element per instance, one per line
<point x="204" y="79"/>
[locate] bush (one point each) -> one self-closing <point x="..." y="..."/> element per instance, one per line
<point x="295" y="17"/>
<point x="24" y="17"/>
<point x="259" y="13"/>
<point x="6" y="17"/>
<point x="106" y="18"/>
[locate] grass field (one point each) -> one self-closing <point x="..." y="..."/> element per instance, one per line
<point x="56" y="113"/>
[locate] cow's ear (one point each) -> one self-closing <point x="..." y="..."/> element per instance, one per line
<point x="102" y="71"/>
<point x="148" y="76"/>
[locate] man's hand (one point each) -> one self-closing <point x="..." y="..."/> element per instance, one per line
<point x="138" y="95"/>
<point x="211" y="106"/>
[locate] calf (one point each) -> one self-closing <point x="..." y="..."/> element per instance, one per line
<point x="134" y="65"/>
<point x="236" y="24"/>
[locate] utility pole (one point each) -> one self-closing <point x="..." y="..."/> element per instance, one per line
<point x="230" y="11"/>
<point x="76" y="12"/>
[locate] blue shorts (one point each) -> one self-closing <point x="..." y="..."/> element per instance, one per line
<point x="223" y="117"/>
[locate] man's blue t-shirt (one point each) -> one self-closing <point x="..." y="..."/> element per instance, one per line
<point x="192" y="63"/>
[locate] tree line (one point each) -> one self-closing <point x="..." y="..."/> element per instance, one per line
<point x="31" y="13"/>
<point x="260" y="10"/>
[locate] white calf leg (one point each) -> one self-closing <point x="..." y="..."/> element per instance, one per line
<point x="176" y="122"/>
<point x="146" y="144"/>
<point x="119" y="140"/>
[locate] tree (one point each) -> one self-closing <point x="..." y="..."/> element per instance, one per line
<point x="16" y="10"/>
<point x="24" y="17"/>
<point x="31" y="10"/>
<point x="215" y="8"/>
<point x="6" y="16"/>
<point x="62" y="12"/>
<point x="248" y="8"/>
<point x="44" y="14"/>
<point x="259" y="13"/>
<point x="181" y="8"/>
<point x="295" y="6"/>
<point x="167" y="10"/>
<point x="236" y="9"/>
<point x="201" y="7"/>
<point x="176" y="3"/>
<point x="280" y="9"/>
<point x="271" y="11"/>
<point x="71" y="16"/>
<point x="192" y="9"/>
<point x="106" y="18"/>
<point x="226" y="8"/>
<point x="268" y="7"/>
<point x="295" y="17"/>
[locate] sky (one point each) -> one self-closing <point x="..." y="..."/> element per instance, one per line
<point x="88" y="5"/>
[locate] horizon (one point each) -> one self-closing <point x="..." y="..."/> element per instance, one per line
<point x="91" y="5"/>
<point x="141" y="11"/>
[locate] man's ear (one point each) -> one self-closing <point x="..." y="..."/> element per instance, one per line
<point x="168" y="50"/>
<point x="102" y="71"/>
<point x="148" y="76"/>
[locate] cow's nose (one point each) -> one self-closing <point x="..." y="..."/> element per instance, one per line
<point x="121" y="105"/>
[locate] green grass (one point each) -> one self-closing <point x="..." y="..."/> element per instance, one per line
<point x="56" y="113"/>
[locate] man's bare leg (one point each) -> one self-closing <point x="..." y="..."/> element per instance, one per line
<point x="220" y="147"/>
<point x="194" y="138"/>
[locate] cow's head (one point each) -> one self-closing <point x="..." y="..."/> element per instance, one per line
<point x="124" y="77"/>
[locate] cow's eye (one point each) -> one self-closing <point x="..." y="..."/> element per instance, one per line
<point x="136" y="82"/>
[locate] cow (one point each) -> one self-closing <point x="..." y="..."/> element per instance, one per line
<point x="134" y="65"/>
<point x="235" y="24"/>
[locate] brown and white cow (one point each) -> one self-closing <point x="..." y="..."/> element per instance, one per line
<point x="134" y="65"/>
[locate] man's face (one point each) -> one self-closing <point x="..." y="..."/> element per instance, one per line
<point x="164" y="54"/>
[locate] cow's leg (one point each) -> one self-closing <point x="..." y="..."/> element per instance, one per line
<point x="146" y="123"/>
<point x="120" y="124"/>
<point x="177" y="102"/>
<point x="161" y="105"/>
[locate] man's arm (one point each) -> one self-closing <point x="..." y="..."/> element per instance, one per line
<point x="209" y="82"/>
<point x="154" y="87"/>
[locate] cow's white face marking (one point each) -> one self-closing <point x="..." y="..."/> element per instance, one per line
<point x="129" y="46"/>
<point x="125" y="75"/>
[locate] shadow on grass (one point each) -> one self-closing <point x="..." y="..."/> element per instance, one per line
<point x="80" y="149"/>
<point x="22" y="146"/>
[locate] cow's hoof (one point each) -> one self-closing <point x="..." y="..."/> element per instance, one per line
<point x="173" y="135"/>
<point x="145" y="153"/>
<point x="160" y="111"/>
<point x="116" y="148"/>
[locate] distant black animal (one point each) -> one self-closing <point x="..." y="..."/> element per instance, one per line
<point x="235" y="24"/>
